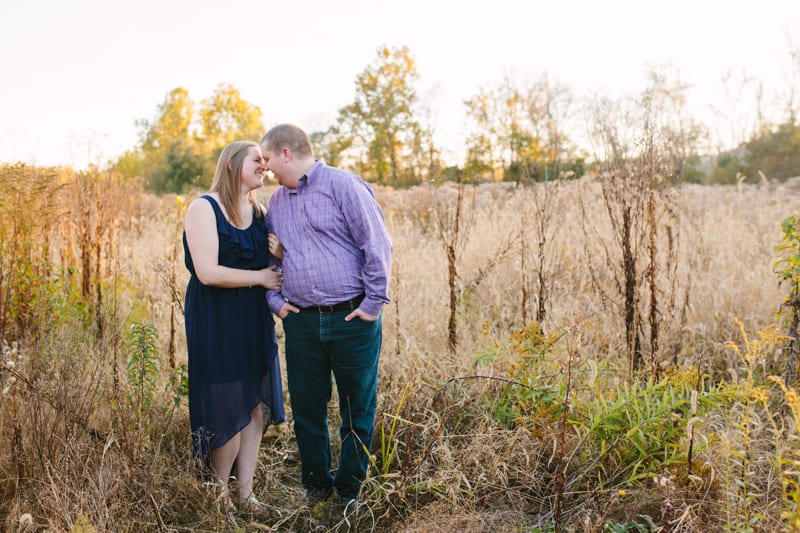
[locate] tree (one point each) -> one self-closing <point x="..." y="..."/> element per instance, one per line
<point x="226" y="117"/>
<point x="179" y="148"/>
<point x="378" y="127"/>
<point x="739" y="90"/>
<point x="170" y="155"/>
<point x="518" y="131"/>
<point x="329" y="145"/>
<point x="666" y="102"/>
<point x="130" y="164"/>
<point x="182" y="165"/>
<point x="793" y="85"/>
<point x="775" y="154"/>
<point x="483" y="143"/>
<point x="425" y="160"/>
<point x="172" y="125"/>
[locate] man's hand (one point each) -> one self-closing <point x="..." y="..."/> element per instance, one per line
<point x="286" y="309"/>
<point x="360" y="314"/>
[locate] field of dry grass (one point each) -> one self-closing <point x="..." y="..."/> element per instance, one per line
<point x="518" y="427"/>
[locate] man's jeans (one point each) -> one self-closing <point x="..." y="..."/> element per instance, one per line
<point x="318" y="345"/>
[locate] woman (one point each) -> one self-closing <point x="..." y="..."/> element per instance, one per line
<point x="234" y="374"/>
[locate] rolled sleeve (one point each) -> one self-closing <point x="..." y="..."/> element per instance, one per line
<point x="275" y="301"/>
<point x="371" y="306"/>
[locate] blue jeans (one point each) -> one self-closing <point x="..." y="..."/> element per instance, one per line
<point x="319" y="346"/>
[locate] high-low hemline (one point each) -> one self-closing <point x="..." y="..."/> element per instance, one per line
<point x="233" y="350"/>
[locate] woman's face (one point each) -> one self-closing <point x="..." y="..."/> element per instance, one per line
<point x="253" y="170"/>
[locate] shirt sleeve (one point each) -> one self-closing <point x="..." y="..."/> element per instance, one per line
<point x="275" y="299"/>
<point x="368" y="229"/>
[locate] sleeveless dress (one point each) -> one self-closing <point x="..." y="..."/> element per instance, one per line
<point x="230" y="336"/>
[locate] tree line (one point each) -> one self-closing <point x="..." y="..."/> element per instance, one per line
<point x="518" y="130"/>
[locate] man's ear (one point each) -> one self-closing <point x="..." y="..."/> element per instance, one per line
<point x="287" y="154"/>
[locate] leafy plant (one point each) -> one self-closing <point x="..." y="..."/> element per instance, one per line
<point x="640" y="430"/>
<point x="26" y="246"/>
<point x="754" y="393"/>
<point x="787" y="267"/>
<point x="791" y="464"/>
<point x="179" y="383"/>
<point x="528" y="397"/>
<point x="143" y="364"/>
<point x="633" y="526"/>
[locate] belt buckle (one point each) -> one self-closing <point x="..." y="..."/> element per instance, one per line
<point x="325" y="308"/>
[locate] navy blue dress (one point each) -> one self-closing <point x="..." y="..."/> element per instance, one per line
<point x="230" y="336"/>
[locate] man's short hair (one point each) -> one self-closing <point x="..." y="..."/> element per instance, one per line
<point x="287" y="136"/>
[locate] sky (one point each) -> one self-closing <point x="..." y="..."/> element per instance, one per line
<point x="77" y="75"/>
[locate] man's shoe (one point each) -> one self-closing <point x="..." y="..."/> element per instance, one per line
<point x="346" y="497"/>
<point x="316" y="496"/>
<point x="353" y="508"/>
<point x="351" y="505"/>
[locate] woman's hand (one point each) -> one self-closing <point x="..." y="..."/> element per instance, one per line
<point x="275" y="246"/>
<point x="270" y="278"/>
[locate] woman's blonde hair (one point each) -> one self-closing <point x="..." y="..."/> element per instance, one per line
<point x="227" y="179"/>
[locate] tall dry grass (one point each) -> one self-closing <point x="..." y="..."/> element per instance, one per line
<point x="729" y="238"/>
<point x="512" y="432"/>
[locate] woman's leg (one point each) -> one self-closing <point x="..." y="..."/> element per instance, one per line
<point x="250" y="442"/>
<point x="222" y="459"/>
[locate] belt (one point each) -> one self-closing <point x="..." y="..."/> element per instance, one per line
<point x="347" y="305"/>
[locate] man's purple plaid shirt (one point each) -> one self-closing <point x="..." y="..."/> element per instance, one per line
<point x="335" y="242"/>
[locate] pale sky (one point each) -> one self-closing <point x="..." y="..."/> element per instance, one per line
<point x="77" y="74"/>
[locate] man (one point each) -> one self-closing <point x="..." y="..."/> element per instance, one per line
<point x="336" y="269"/>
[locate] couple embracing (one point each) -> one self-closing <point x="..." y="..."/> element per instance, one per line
<point x="320" y="259"/>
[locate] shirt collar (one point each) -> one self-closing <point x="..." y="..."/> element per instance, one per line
<point x="309" y="175"/>
<point x="306" y="178"/>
